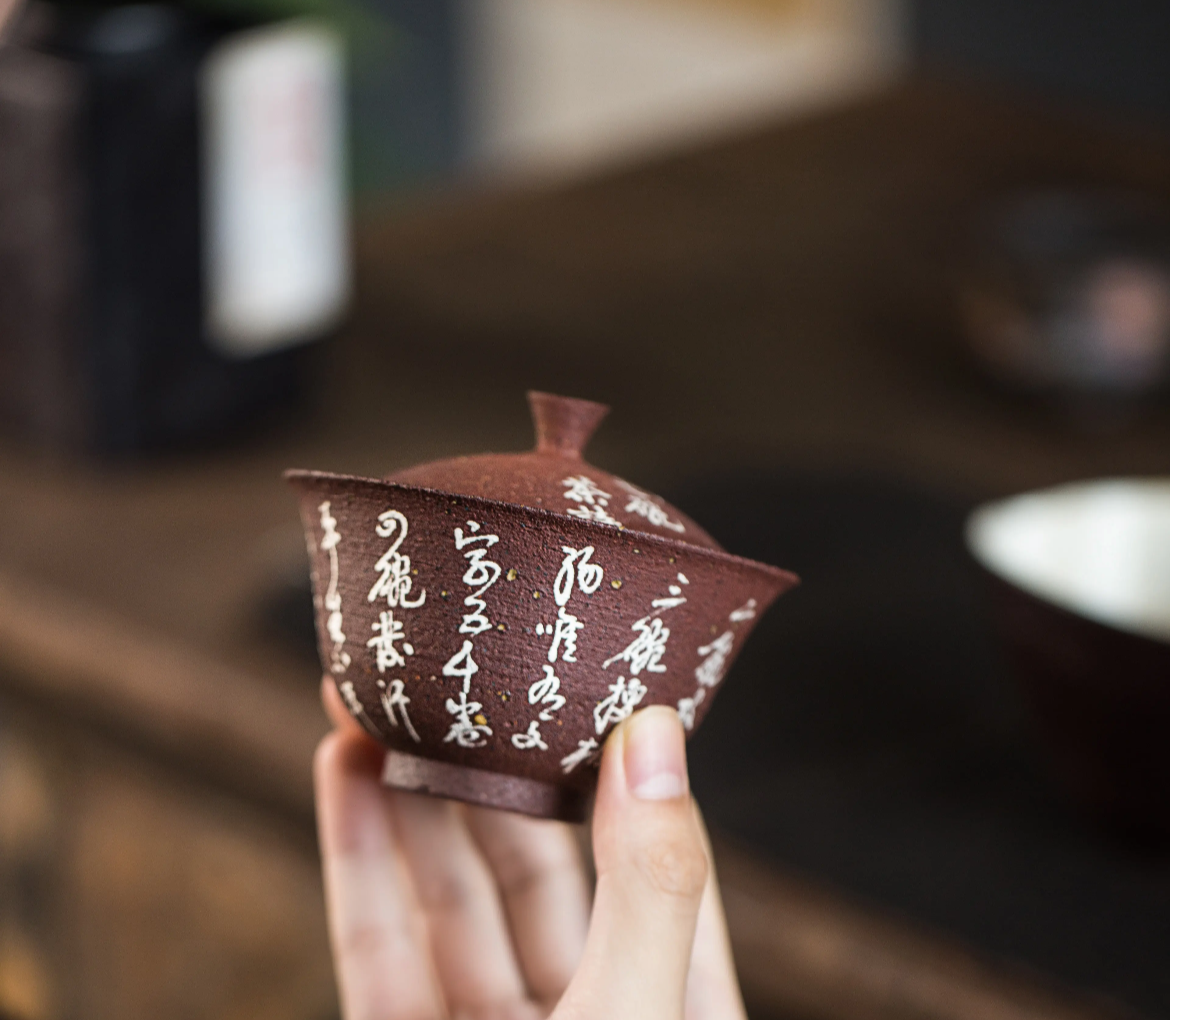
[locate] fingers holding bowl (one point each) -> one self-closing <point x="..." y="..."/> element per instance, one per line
<point x="651" y="875"/>
<point x="437" y="906"/>
<point x="713" y="990"/>
<point x="379" y="942"/>
<point x="545" y="893"/>
<point x="464" y="869"/>
<point x="469" y="937"/>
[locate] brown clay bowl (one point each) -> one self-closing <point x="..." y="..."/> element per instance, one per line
<point x="1080" y="578"/>
<point x="490" y="619"/>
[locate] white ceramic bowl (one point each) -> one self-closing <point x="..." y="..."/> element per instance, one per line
<point x="1080" y="577"/>
<point x="1099" y="549"/>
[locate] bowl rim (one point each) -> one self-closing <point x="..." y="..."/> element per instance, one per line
<point x="983" y="517"/>
<point x="787" y="578"/>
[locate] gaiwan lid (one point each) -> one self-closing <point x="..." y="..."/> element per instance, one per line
<point x="554" y="476"/>
<point x="491" y="618"/>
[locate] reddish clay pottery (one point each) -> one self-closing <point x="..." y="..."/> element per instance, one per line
<point x="490" y="619"/>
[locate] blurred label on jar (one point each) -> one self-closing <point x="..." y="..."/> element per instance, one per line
<point x="277" y="269"/>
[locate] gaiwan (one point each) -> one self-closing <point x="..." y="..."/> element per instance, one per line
<point x="490" y="619"/>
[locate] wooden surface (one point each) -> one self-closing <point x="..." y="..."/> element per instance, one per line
<point x="812" y="953"/>
<point x="780" y="302"/>
<point x="130" y="889"/>
<point x="236" y="724"/>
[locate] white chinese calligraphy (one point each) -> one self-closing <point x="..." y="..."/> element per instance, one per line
<point x="395" y="701"/>
<point x="394" y="569"/>
<point x="746" y="612"/>
<point x="480" y="574"/>
<point x="347" y="691"/>
<point x="583" y="489"/>
<point x="389" y="630"/>
<point x="462" y="664"/>
<point x="393" y="586"/>
<point x="644" y="653"/>
<point x="687" y="706"/>
<point x="532" y="738"/>
<point x="593" y="500"/>
<point x="577" y="572"/>
<point x="564" y="632"/>
<point x="711" y="670"/>
<point x="332" y="601"/>
<point x="646" y="650"/>
<point x="644" y="505"/>
<point x="715" y="655"/>
<point x="675" y="598"/>
<point x="576" y="564"/>
<point x="546" y="692"/>
<point x="583" y="752"/>
<point x="587" y="576"/>
<point x="624" y="697"/>
<point x="470" y="727"/>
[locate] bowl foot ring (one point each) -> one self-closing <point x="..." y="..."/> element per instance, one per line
<point x="484" y="788"/>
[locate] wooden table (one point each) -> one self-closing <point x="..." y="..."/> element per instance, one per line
<point x="777" y="301"/>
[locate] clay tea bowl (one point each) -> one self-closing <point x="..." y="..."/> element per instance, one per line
<point x="1080" y="575"/>
<point x="490" y="619"/>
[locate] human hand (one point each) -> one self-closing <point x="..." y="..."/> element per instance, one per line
<point x="441" y="910"/>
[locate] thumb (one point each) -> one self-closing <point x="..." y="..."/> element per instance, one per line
<point x="651" y="872"/>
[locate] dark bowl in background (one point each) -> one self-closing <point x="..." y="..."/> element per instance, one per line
<point x="1079" y="575"/>
<point x="1065" y="294"/>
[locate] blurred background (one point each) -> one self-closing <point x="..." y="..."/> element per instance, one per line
<point x="845" y="270"/>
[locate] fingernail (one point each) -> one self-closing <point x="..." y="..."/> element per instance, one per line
<point x="655" y="755"/>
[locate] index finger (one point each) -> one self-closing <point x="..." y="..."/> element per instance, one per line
<point x="541" y="878"/>
<point x="378" y="938"/>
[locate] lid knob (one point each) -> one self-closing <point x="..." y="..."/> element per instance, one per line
<point x="563" y="425"/>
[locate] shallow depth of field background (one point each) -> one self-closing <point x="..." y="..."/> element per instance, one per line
<point x="753" y="228"/>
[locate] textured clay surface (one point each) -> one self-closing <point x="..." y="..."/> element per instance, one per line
<point x="508" y="638"/>
<point x="554" y="477"/>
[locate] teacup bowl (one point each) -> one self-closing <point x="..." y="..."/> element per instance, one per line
<point x="1080" y="579"/>
<point x="492" y="645"/>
